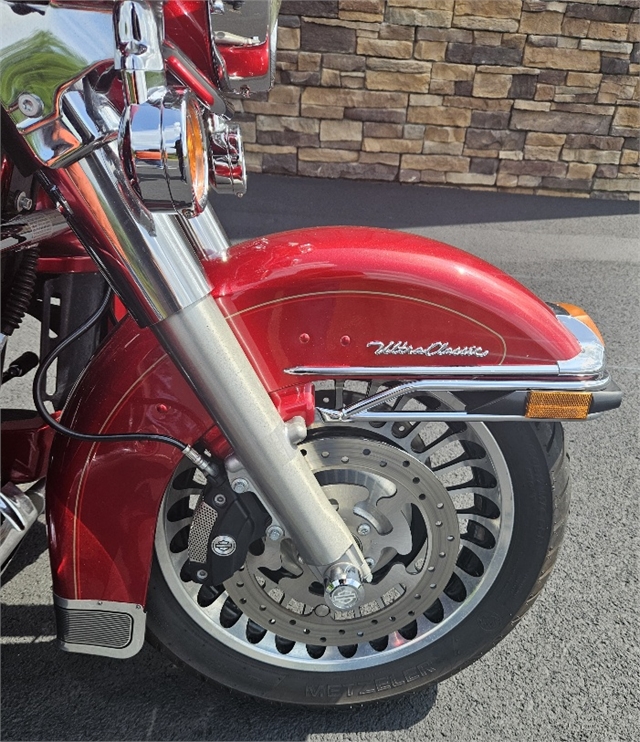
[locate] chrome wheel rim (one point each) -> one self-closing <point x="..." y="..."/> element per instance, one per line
<point x="460" y="467"/>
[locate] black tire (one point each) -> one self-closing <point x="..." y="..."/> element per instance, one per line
<point x="538" y="466"/>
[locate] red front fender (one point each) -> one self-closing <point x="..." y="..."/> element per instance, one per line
<point x="316" y="297"/>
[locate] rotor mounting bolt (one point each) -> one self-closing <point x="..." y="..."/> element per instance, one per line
<point x="23" y="202"/>
<point x="274" y="533"/>
<point x="240" y="485"/>
<point x="364" y="529"/>
<point x="30" y="105"/>
<point x="371" y="562"/>
<point x="220" y="499"/>
<point x="223" y="545"/>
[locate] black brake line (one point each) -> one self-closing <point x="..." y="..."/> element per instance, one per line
<point x="205" y="466"/>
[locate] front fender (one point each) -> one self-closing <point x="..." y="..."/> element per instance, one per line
<point x="360" y="297"/>
<point x="318" y="297"/>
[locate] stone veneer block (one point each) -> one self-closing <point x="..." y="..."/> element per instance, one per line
<point x="555" y="121"/>
<point x="491" y="86"/>
<point x="489" y="8"/>
<point x="562" y="59"/>
<point x="392" y="49"/>
<point x="411" y="83"/>
<point x="315" y="37"/>
<point x="341" y="131"/>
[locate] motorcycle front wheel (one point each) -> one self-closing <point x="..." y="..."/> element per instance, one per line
<point x="460" y="522"/>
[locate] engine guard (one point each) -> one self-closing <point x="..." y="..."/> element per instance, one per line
<point x="309" y="304"/>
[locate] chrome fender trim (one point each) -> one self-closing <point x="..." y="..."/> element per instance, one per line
<point x="101" y="627"/>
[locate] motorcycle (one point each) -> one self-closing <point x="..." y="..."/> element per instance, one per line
<point x="321" y="467"/>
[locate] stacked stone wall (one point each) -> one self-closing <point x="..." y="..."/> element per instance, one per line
<point x="524" y="96"/>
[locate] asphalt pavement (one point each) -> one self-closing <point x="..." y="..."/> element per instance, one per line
<point x="569" y="671"/>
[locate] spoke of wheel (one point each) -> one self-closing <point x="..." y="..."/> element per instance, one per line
<point x="470" y="583"/>
<point x="491" y="524"/>
<point x="448" y="605"/>
<point x="491" y="493"/>
<point x="440" y="443"/>
<point x="484" y="555"/>
<point x="172" y="527"/>
<point x="459" y="463"/>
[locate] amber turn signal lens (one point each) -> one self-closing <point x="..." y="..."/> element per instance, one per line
<point x="583" y="317"/>
<point x="198" y="163"/>
<point x="559" y="405"/>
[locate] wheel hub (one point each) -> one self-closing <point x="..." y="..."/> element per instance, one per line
<point x="403" y="519"/>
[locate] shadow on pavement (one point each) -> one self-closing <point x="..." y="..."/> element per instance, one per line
<point x="276" y="203"/>
<point x="33" y="544"/>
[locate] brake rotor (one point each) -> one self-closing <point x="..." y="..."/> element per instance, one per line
<point x="403" y="519"/>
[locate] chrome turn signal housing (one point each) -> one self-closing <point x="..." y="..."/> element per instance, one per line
<point x="226" y="152"/>
<point x="164" y="149"/>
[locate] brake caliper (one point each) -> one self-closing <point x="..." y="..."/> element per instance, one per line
<point x="224" y="525"/>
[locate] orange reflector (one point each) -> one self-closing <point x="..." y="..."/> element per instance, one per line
<point x="583" y="317"/>
<point x="559" y="405"/>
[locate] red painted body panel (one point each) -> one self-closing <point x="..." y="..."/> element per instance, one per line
<point x="187" y="26"/>
<point x="247" y="61"/>
<point x="65" y="254"/>
<point x="26" y="445"/>
<point x="326" y="283"/>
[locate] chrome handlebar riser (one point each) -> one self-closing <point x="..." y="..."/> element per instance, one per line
<point x="139" y="31"/>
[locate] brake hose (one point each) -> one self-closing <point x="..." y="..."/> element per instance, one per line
<point x="39" y="382"/>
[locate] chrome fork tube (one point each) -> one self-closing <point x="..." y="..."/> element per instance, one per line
<point x="150" y="259"/>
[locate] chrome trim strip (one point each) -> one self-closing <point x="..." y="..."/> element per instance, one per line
<point x="388" y="372"/>
<point x="100" y="607"/>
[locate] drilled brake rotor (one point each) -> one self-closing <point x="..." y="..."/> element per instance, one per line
<point x="405" y="523"/>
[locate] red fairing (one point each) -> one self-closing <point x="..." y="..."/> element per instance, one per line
<point x="247" y="61"/>
<point x="312" y="297"/>
<point x="187" y="25"/>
